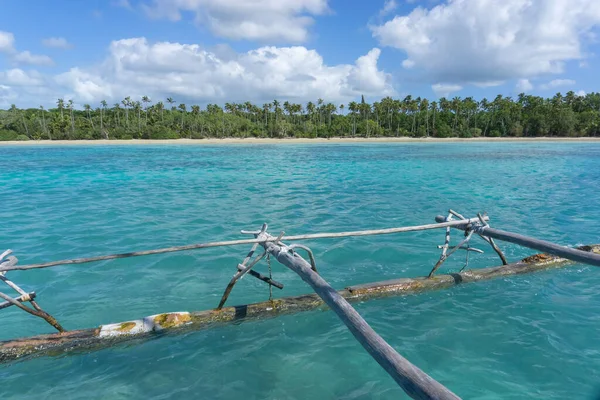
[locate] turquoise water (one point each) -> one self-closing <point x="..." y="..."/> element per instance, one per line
<point x="515" y="338"/>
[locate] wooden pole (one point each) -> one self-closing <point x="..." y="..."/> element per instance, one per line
<point x="20" y="299"/>
<point x="416" y="383"/>
<point x="89" y="339"/>
<point x="38" y="312"/>
<point x="536" y="244"/>
<point x="237" y="242"/>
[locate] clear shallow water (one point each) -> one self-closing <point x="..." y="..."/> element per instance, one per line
<point x="516" y="338"/>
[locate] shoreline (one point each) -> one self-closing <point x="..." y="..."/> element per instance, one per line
<point x="213" y="141"/>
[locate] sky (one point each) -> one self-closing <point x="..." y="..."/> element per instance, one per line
<point x="217" y="51"/>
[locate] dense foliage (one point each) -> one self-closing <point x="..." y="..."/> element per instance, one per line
<point x="568" y="115"/>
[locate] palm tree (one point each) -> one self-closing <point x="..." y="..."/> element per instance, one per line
<point x="425" y="104"/>
<point x="126" y="103"/>
<point x="330" y="108"/>
<point x="43" y="123"/>
<point x="319" y="108"/>
<point x="137" y="106"/>
<point x="456" y="107"/>
<point x="183" y="109"/>
<point x="117" y="107"/>
<point x="146" y="100"/>
<point x="161" y="107"/>
<point x="60" y="103"/>
<point x="485" y="106"/>
<point x="171" y="102"/>
<point x="266" y="110"/>
<point x="88" y="109"/>
<point x="102" y="110"/>
<point x="310" y="109"/>
<point x="433" y="110"/>
<point x="288" y="108"/>
<point x="70" y="107"/>
<point x="196" y="112"/>
<point x="276" y="107"/>
<point x="353" y="107"/>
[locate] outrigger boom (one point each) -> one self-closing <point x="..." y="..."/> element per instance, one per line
<point x="410" y="378"/>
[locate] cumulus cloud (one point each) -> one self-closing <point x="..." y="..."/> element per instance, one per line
<point x="558" y="83"/>
<point x="7" y="42"/>
<point x="445" y="89"/>
<point x="18" y="77"/>
<point x="388" y="7"/>
<point x="273" y="20"/>
<point x="7" y="46"/>
<point x="29" y="88"/>
<point x="524" y="86"/>
<point x="466" y="41"/>
<point x="25" y="57"/>
<point x="7" y="96"/>
<point x="57" y="43"/>
<point x="581" y="93"/>
<point x="136" y="67"/>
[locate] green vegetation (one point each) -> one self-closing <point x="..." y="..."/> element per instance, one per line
<point x="531" y="116"/>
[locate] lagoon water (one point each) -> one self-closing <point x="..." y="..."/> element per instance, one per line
<point x="532" y="336"/>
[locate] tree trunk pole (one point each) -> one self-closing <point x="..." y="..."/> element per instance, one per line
<point x="416" y="383"/>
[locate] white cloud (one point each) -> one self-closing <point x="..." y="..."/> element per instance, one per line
<point x="558" y="83"/>
<point x="444" y="89"/>
<point x="86" y="87"/>
<point x="18" y="77"/>
<point x="487" y="84"/>
<point x="57" y="43"/>
<point x="388" y="7"/>
<point x="7" y="96"/>
<point x="7" y="45"/>
<point x="462" y="41"/>
<point x="7" y="42"/>
<point x="28" y="88"/>
<point x="274" y="20"/>
<point x="581" y="93"/>
<point x="25" y="57"/>
<point x="188" y="72"/>
<point x="524" y="86"/>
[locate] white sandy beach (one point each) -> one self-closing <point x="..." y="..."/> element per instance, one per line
<point x="214" y="141"/>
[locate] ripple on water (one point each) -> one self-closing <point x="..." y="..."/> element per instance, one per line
<point x="525" y="337"/>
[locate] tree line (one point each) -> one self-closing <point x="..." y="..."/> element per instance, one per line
<point x="527" y="115"/>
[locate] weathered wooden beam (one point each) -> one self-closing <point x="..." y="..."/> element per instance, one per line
<point x="234" y="243"/>
<point x="38" y="312"/>
<point x="416" y="383"/>
<point x="91" y="339"/>
<point x="535" y="244"/>
<point x="20" y="299"/>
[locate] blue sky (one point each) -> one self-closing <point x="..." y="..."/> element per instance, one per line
<point x="203" y="51"/>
